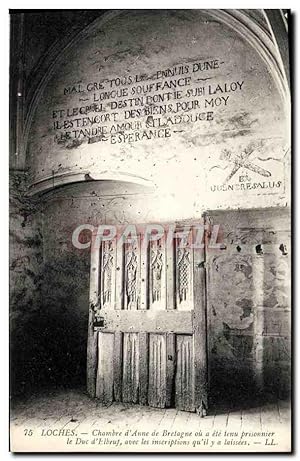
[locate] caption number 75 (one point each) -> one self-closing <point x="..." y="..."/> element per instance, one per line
<point x="28" y="432"/>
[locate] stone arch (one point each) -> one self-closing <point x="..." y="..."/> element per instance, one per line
<point x="253" y="35"/>
<point x="238" y="20"/>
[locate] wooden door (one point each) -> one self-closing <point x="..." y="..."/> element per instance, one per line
<point x="147" y="324"/>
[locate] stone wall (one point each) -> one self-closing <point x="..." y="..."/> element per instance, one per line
<point x="26" y="280"/>
<point x="249" y="304"/>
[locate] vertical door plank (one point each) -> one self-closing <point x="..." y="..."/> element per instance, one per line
<point x="131" y="367"/>
<point x="117" y="359"/>
<point x="157" y="275"/>
<point x="105" y="372"/>
<point x="119" y="276"/>
<point x="184" y="381"/>
<point x="94" y="270"/>
<point x="171" y="359"/>
<point x="170" y="274"/>
<point x="143" y="368"/>
<point x="184" y="275"/>
<point x="92" y="346"/>
<point x="108" y="271"/>
<point x="157" y="371"/>
<point x="132" y="274"/>
<point x="144" y="273"/>
<point x="92" y="360"/>
<point x="200" y="328"/>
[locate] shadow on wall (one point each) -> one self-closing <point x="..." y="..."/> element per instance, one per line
<point x="232" y="387"/>
<point x="48" y="349"/>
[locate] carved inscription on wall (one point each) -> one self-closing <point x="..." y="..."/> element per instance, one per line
<point x="143" y="107"/>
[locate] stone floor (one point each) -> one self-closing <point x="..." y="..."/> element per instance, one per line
<point x="71" y="421"/>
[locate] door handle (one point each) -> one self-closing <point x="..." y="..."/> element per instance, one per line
<point x="99" y="322"/>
